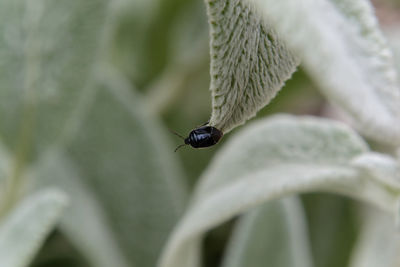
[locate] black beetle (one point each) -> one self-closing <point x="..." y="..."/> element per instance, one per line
<point x="203" y="136"/>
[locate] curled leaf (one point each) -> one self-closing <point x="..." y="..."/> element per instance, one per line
<point x="381" y="167"/>
<point x="249" y="63"/>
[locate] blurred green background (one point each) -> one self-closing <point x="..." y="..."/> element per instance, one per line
<point x="161" y="49"/>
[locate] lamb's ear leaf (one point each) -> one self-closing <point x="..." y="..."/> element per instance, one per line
<point x="393" y="36"/>
<point x="124" y="156"/>
<point x="344" y="51"/>
<point x="24" y="228"/>
<point x="249" y="62"/>
<point x="379" y="166"/>
<point x="275" y="232"/>
<point x="269" y="159"/>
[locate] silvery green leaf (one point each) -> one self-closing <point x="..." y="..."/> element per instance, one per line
<point x="342" y="48"/>
<point x="84" y="221"/>
<point x="272" y="158"/>
<point x="381" y="167"/>
<point x="249" y="62"/>
<point x="47" y="53"/>
<point x="274" y="234"/>
<point x="393" y="36"/>
<point x="125" y="158"/>
<point x="24" y="229"/>
<point x="378" y="244"/>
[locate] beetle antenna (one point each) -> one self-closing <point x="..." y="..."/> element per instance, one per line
<point x="180" y="147"/>
<point x="176" y="134"/>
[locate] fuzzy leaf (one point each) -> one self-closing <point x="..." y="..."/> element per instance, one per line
<point x="270" y="159"/>
<point x="124" y="157"/>
<point x="249" y="63"/>
<point x="84" y="221"/>
<point x="393" y="36"/>
<point x="24" y="229"/>
<point x="274" y="233"/>
<point x="343" y="50"/>
<point x="381" y="167"/>
<point x="47" y="53"/>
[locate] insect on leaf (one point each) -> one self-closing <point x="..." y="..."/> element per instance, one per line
<point x="272" y="158"/>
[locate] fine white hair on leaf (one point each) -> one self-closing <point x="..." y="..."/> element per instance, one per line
<point x="343" y="50"/>
<point x="249" y="63"/>
<point x="277" y="157"/>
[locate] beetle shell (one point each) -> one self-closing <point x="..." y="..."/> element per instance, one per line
<point x="204" y="136"/>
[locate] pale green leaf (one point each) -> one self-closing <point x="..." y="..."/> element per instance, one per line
<point x="126" y="160"/>
<point x="393" y="36"/>
<point x="270" y="159"/>
<point x="47" y="52"/>
<point x="24" y="229"/>
<point x="249" y="63"/>
<point x="342" y="48"/>
<point x="274" y="235"/>
<point x="84" y="221"/>
<point x="378" y="244"/>
<point x="381" y="167"/>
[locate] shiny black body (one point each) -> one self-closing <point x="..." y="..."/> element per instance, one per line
<point x="203" y="136"/>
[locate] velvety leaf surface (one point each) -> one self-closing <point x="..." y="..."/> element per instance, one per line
<point x="249" y="62"/>
<point x="342" y="48"/>
<point x="393" y="36"/>
<point x="270" y="159"/>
